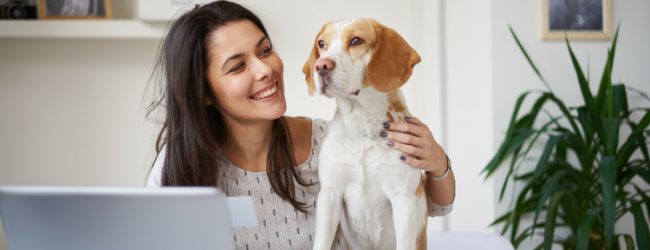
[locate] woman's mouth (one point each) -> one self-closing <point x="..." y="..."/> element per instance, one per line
<point x="266" y="93"/>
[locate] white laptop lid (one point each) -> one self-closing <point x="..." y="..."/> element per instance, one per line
<point x="121" y="218"/>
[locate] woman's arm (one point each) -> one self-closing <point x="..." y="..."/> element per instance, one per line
<point x="416" y="140"/>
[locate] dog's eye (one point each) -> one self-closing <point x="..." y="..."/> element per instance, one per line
<point x="321" y="44"/>
<point x="356" y="41"/>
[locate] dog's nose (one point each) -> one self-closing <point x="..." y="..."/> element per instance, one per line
<point x="323" y="66"/>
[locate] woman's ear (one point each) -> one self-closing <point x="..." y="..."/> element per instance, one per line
<point x="308" y="69"/>
<point x="392" y="61"/>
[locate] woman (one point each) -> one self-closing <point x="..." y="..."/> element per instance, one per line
<point x="222" y="90"/>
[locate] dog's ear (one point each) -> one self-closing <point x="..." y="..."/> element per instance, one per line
<point x="308" y="69"/>
<point x="392" y="61"/>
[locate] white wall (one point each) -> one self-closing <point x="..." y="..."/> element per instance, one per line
<point x="511" y="74"/>
<point x="469" y="111"/>
<point x="72" y="110"/>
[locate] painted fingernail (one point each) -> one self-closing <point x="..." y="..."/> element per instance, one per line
<point x="408" y="117"/>
<point x="390" y="143"/>
<point x="384" y="134"/>
<point x="386" y="125"/>
<point x="402" y="158"/>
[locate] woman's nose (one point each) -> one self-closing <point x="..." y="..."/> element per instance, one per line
<point x="262" y="70"/>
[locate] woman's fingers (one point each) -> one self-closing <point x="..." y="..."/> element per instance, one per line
<point x="403" y="138"/>
<point x="419" y="130"/>
<point x="412" y="161"/>
<point x="407" y="149"/>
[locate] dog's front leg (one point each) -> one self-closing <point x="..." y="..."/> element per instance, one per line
<point x="405" y="220"/>
<point x="328" y="216"/>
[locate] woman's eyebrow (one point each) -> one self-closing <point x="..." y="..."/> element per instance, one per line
<point x="242" y="54"/>
<point x="231" y="58"/>
<point x="261" y="41"/>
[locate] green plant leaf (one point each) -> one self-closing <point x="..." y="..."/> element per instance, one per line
<point x="640" y="225"/>
<point x="571" y="211"/>
<point x="517" y="210"/>
<point x="621" y="98"/>
<point x="501" y="153"/>
<point x="587" y="125"/>
<point x="585" y="228"/>
<point x="586" y="95"/>
<point x="645" y="175"/>
<point x="517" y="142"/>
<point x="550" y="144"/>
<point x="644" y="148"/>
<point x="549" y="188"/>
<point x="608" y="178"/>
<point x="629" y="242"/>
<point x="529" y="60"/>
<point x="605" y="80"/>
<point x="561" y="150"/>
<point x="643" y="124"/>
<point x="520" y="239"/>
<point x="551" y="212"/>
<point x="611" y="133"/>
<point x="565" y="111"/>
<point x="646" y="200"/>
<point x="628" y="148"/>
<point x="641" y="93"/>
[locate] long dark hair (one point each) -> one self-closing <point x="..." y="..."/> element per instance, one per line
<point x="192" y="129"/>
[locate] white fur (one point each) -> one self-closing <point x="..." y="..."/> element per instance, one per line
<point x="364" y="184"/>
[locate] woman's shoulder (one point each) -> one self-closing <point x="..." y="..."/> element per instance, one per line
<point x="319" y="127"/>
<point x="155" y="174"/>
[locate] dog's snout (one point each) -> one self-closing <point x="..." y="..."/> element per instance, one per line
<point x="323" y="66"/>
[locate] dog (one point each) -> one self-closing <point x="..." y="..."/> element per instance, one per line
<point x="379" y="200"/>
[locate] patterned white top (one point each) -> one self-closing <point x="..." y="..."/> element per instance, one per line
<point x="280" y="225"/>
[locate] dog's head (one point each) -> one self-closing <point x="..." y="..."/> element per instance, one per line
<point x="354" y="54"/>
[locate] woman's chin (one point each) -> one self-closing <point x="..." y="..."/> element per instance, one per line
<point x="274" y="111"/>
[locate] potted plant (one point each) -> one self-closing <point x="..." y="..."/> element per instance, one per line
<point x="587" y="195"/>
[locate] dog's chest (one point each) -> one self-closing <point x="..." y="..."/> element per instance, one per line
<point x="371" y="174"/>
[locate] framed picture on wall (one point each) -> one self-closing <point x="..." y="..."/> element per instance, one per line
<point x="75" y="9"/>
<point x="578" y="19"/>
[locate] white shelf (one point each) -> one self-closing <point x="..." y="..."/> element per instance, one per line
<point x="102" y="29"/>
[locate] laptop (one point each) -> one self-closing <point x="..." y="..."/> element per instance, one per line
<point x="121" y="217"/>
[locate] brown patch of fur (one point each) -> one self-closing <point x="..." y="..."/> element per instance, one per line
<point x="395" y="103"/>
<point x="365" y="83"/>
<point x="421" y="241"/>
<point x="325" y="33"/>
<point x="419" y="192"/>
<point x="390" y="117"/>
<point x="392" y="60"/>
<point x="362" y="30"/>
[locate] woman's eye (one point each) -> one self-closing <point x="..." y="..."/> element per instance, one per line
<point x="266" y="50"/>
<point x="236" y="68"/>
<point x="321" y="44"/>
<point x="356" y="41"/>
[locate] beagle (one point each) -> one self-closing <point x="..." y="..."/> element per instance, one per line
<point x="379" y="200"/>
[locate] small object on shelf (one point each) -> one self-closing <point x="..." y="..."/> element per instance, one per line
<point x="18" y="9"/>
<point x="75" y="9"/>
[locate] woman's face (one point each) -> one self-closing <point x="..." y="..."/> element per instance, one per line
<point x="245" y="74"/>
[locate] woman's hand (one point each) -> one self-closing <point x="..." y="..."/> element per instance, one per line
<point x="416" y="140"/>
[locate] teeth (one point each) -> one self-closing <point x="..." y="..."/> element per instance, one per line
<point x="266" y="93"/>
